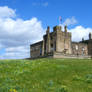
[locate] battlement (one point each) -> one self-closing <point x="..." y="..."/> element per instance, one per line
<point x="57" y="28"/>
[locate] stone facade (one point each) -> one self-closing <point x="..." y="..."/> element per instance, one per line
<point x="36" y="49"/>
<point x="79" y="48"/>
<point x="58" y="43"/>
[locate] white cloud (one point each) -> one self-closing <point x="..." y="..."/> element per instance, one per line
<point x="20" y="31"/>
<point x="80" y="32"/>
<point x="15" y="35"/>
<point x="16" y="52"/>
<point x="6" y="12"/>
<point x="70" y="21"/>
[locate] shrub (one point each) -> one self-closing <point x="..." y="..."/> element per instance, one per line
<point x="89" y="78"/>
<point x="63" y="88"/>
<point x="50" y="83"/>
<point x="77" y="78"/>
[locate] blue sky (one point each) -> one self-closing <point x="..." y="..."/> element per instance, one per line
<point x="23" y="22"/>
<point x="80" y="9"/>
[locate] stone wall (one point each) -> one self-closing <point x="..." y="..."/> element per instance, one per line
<point x="60" y="41"/>
<point x="61" y="55"/>
<point x="36" y="50"/>
<point x="49" y="43"/>
<point x="79" y="48"/>
<point x="90" y="47"/>
<point x="63" y="40"/>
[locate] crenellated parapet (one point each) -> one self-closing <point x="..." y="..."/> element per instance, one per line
<point x="57" y="28"/>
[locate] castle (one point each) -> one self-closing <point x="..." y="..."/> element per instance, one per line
<point x="58" y="44"/>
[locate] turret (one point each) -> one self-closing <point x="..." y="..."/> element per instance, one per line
<point x="65" y="28"/>
<point x="48" y="40"/>
<point x="82" y="39"/>
<point x="48" y="30"/>
<point x="90" y="36"/>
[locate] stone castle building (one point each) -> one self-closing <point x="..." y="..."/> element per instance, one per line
<point x="58" y="44"/>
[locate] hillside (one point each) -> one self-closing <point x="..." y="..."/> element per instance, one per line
<point x="46" y="75"/>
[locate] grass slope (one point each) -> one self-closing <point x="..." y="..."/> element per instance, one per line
<point x="46" y="75"/>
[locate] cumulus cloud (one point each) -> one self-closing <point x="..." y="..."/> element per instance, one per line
<point x="70" y="21"/>
<point x="18" y="52"/>
<point x="80" y="32"/>
<point x="16" y="34"/>
<point x="6" y="12"/>
<point x="20" y="31"/>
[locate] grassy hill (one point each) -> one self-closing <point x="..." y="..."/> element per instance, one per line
<point x="46" y="75"/>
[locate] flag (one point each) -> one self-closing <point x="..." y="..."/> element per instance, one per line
<point x="60" y="18"/>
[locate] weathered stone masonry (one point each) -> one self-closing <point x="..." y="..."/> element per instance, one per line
<point x="58" y="43"/>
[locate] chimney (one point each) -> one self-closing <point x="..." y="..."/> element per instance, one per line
<point x="57" y="28"/>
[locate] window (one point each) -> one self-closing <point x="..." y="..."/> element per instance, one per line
<point x="55" y="46"/>
<point x="40" y="51"/>
<point x="51" y="45"/>
<point x="76" y="47"/>
<point x="83" y="48"/>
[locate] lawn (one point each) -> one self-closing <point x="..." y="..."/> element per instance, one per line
<point x="46" y="75"/>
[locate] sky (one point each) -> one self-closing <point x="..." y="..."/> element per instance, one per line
<point x="23" y="22"/>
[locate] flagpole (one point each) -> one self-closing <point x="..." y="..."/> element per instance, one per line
<point x="60" y="20"/>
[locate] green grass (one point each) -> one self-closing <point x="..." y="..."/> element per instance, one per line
<point x="46" y="75"/>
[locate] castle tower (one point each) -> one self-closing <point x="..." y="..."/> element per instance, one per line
<point x="48" y="40"/>
<point x="57" y="30"/>
<point x="67" y="41"/>
<point x="63" y="40"/>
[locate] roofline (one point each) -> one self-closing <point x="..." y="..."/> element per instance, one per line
<point x="36" y="43"/>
